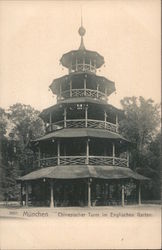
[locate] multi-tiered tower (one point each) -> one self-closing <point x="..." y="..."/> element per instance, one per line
<point x="83" y="159"/>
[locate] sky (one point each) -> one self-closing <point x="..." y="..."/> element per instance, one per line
<point x="35" y="34"/>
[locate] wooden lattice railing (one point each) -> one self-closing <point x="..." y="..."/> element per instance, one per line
<point x="81" y="160"/>
<point x="83" y="123"/>
<point x="82" y="92"/>
<point x="82" y="68"/>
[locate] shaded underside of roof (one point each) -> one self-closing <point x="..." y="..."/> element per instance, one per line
<point x="77" y="77"/>
<point x="82" y="132"/>
<point x="83" y="171"/>
<point x="68" y="57"/>
<point x="74" y="100"/>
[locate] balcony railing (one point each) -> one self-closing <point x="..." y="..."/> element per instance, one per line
<point x="82" y="92"/>
<point x="81" y="160"/>
<point x="82" y="68"/>
<point x="83" y="123"/>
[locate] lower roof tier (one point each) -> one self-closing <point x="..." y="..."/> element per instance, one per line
<point x="83" y="171"/>
<point x="81" y="133"/>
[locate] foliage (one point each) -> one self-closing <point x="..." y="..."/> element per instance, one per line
<point x="17" y="127"/>
<point x="140" y="126"/>
<point x="141" y="120"/>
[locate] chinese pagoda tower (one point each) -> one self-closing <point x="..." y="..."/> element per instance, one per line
<point x="83" y="159"/>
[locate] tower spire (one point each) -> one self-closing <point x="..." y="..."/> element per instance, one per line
<point x="82" y="32"/>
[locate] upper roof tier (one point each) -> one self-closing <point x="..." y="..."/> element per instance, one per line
<point x="82" y="59"/>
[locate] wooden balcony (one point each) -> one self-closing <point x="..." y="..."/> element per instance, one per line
<point x="83" y="123"/>
<point x="82" y="68"/>
<point x="82" y="160"/>
<point x="81" y="93"/>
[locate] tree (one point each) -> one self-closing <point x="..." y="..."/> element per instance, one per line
<point x="141" y="120"/>
<point x="28" y="126"/>
<point x="17" y="127"/>
<point x="140" y="126"/>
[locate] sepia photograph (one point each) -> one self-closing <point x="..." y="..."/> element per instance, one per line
<point x="80" y="131"/>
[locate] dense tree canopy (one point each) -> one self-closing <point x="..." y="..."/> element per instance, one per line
<point x="141" y="120"/>
<point x="19" y="125"/>
<point x="140" y="126"/>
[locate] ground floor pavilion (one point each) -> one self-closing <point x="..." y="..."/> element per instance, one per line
<point x="81" y="185"/>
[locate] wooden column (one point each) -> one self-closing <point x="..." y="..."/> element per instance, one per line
<point x="105" y="119"/>
<point x="86" y="116"/>
<point x="27" y="194"/>
<point x="70" y="88"/>
<point x="105" y="91"/>
<point x="87" y="151"/>
<point x="90" y="65"/>
<point x="89" y="193"/>
<point x="52" y="199"/>
<point x="39" y="157"/>
<point x="106" y="192"/>
<point x="139" y="193"/>
<point x="50" y="122"/>
<point x="85" y="86"/>
<point x="60" y="91"/>
<point x="113" y="154"/>
<point x="97" y="90"/>
<point x="50" y="119"/>
<point x="95" y="65"/>
<point x="117" y="123"/>
<point x="76" y="65"/>
<point x="58" y="152"/>
<point x="127" y="158"/>
<point x="21" y="195"/>
<point x="65" y="117"/>
<point x="122" y="195"/>
<point x="83" y="64"/>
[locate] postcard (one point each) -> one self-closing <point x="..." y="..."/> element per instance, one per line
<point x="80" y="124"/>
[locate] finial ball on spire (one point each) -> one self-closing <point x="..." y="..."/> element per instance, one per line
<point x="82" y="31"/>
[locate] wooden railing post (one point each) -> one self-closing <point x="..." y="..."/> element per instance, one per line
<point x="65" y="117"/>
<point x="123" y="196"/>
<point x="117" y="123"/>
<point x="58" y="152"/>
<point x="139" y="193"/>
<point x="86" y="116"/>
<point x="105" y="119"/>
<point x="87" y="151"/>
<point x="113" y="154"/>
<point x="70" y="88"/>
<point x="85" y="86"/>
<point x="27" y="194"/>
<point x="89" y="193"/>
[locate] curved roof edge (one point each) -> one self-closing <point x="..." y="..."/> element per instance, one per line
<point x="83" y="171"/>
<point x="81" y="133"/>
<point x="76" y="100"/>
<point x="67" y="57"/>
